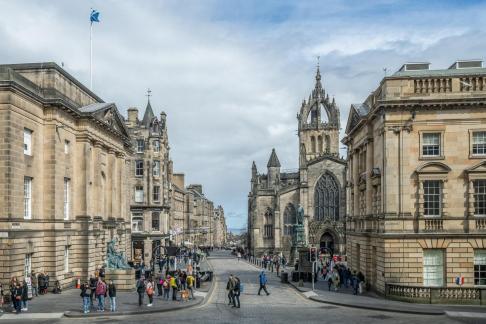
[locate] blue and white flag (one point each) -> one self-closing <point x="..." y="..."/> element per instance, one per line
<point x="95" y="16"/>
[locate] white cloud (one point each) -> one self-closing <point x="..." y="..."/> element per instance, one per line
<point x="231" y="77"/>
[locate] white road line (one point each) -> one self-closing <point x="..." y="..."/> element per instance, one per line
<point x="466" y="314"/>
<point x="28" y="316"/>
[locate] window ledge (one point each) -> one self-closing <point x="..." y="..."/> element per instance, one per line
<point x="428" y="158"/>
<point x="477" y="156"/>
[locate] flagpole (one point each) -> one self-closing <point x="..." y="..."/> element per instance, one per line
<point x="91" y="56"/>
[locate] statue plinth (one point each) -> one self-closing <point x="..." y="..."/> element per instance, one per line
<point x="124" y="279"/>
<point x="299" y="236"/>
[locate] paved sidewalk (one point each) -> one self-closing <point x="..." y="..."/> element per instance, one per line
<point x="69" y="303"/>
<point x="371" y="301"/>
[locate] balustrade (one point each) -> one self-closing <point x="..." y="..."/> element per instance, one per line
<point x="437" y="295"/>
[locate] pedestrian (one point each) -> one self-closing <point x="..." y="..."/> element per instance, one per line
<point x="57" y="288"/>
<point x="40" y="282"/>
<point x="92" y="287"/>
<point x="173" y="286"/>
<point x="190" y="284"/>
<point x="25" y="296"/>
<point x="140" y="290"/>
<point x="159" y="281"/>
<point x="34" y="283"/>
<point x="355" y="283"/>
<point x="166" y="287"/>
<point x="112" y="295"/>
<point x="183" y="278"/>
<point x="17" y="297"/>
<point x="329" y="280"/>
<point x="336" y="280"/>
<point x="100" y="294"/>
<point x="150" y="291"/>
<point x="236" y="292"/>
<point x="361" y="279"/>
<point x="263" y="283"/>
<point x="85" y="296"/>
<point x="238" y="256"/>
<point x="230" y="286"/>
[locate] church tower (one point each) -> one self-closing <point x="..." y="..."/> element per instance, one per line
<point x="318" y="124"/>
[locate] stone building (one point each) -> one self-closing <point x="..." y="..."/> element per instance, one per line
<point x="318" y="186"/>
<point x="179" y="210"/>
<point x="416" y="194"/>
<point x="149" y="180"/>
<point x="218" y="228"/>
<point x="63" y="170"/>
<point x="200" y="215"/>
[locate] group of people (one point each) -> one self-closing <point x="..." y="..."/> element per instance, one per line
<point x="338" y="275"/>
<point x="97" y="288"/>
<point x="180" y="281"/>
<point x="20" y="294"/>
<point x="234" y="288"/>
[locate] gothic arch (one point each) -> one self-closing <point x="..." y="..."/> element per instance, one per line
<point x="290" y="218"/>
<point x="326" y="198"/>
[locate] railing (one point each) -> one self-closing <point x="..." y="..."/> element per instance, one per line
<point x="481" y="224"/>
<point x="472" y="84"/>
<point x="436" y="295"/>
<point x="434" y="225"/>
<point x="433" y="85"/>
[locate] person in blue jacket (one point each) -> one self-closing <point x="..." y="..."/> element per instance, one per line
<point x="263" y="283"/>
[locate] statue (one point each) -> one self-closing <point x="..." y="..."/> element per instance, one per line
<point x="115" y="260"/>
<point x="299" y="232"/>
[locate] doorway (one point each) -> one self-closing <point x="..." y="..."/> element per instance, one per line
<point x="327" y="244"/>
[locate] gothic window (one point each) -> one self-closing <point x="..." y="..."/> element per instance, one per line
<point x="290" y="218"/>
<point x="313" y="144"/>
<point x="319" y="144"/>
<point x="328" y="144"/>
<point x="324" y="116"/>
<point x="326" y="198"/>
<point x="268" y="226"/>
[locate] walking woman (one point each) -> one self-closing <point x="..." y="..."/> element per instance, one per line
<point x="85" y="296"/>
<point x="150" y="292"/>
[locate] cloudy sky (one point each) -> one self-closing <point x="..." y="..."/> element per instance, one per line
<point x="231" y="74"/>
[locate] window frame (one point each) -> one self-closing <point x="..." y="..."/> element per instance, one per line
<point x="28" y="197"/>
<point x="157" y="229"/>
<point x="67" y="147"/>
<point x="28" y="141"/>
<point x="139" y="169"/>
<point x="67" y="196"/>
<point x="156" y="167"/>
<point x="439" y="195"/>
<point x="481" y="270"/>
<point x="423" y="156"/>
<point x="140" y="145"/>
<point x="440" y="267"/>
<point x="154" y="198"/>
<point x="138" y="217"/>
<point x="66" y="258"/>
<point x="473" y="155"/>
<point x="156" y="146"/>
<point x="137" y="189"/>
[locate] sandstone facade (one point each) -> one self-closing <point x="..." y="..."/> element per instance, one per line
<point x="416" y="172"/>
<point x="63" y="170"/>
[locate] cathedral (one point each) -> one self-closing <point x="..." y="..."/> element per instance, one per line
<point x="318" y="186"/>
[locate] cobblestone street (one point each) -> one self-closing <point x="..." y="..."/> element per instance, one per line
<point x="284" y="305"/>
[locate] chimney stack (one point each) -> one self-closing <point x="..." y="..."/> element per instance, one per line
<point x="132" y="116"/>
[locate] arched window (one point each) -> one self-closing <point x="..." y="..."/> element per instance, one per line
<point x="328" y="144"/>
<point x="324" y="116"/>
<point x="326" y="198"/>
<point x="313" y="144"/>
<point x="290" y="218"/>
<point x="319" y="144"/>
<point x="268" y="225"/>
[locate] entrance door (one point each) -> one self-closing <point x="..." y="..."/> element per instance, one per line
<point x="138" y="251"/>
<point x="327" y="244"/>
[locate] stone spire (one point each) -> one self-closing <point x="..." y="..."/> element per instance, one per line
<point x="318" y="90"/>
<point x="273" y="162"/>
<point x="149" y="115"/>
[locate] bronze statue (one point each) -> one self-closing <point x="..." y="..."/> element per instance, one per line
<point x="115" y="260"/>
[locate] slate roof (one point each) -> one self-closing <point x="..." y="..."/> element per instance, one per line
<point x="148" y="116"/>
<point x="95" y="107"/>
<point x="361" y="108"/>
<point x="273" y="162"/>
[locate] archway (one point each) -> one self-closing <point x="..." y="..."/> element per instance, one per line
<point x="326" y="243"/>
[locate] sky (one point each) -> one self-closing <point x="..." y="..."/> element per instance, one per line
<point x="231" y="75"/>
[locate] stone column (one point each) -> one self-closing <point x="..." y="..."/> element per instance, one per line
<point x="369" y="168"/>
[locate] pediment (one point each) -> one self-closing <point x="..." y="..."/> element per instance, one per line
<point x="433" y="167"/>
<point x="353" y="119"/>
<point x="478" y="168"/>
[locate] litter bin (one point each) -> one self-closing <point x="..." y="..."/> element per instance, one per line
<point x="284" y="277"/>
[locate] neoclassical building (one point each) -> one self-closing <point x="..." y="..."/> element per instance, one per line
<point x="318" y="186"/>
<point x="417" y="182"/>
<point x="64" y="163"/>
<point x="150" y="176"/>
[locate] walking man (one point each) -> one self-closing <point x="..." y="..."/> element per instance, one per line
<point x="140" y="290"/>
<point x="112" y="295"/>
<point x="236" y="292"/>
<point x="230" y="286"/>
<point x="263" y="283"/>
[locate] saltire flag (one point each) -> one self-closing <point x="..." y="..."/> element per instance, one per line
<point x="95" y="16"/>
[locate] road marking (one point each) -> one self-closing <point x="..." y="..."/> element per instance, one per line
<point x="309" y="294"/>
<point x="25" y="316"/>
<point x="466" y="314"/>
<point x="200" y="293"/>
